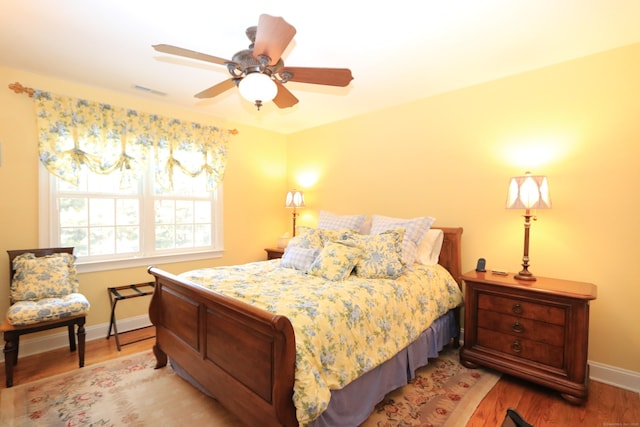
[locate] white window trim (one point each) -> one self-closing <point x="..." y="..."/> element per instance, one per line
<point x="45" y="235"/>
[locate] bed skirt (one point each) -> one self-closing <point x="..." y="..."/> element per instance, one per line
<point x="353" y="404"/>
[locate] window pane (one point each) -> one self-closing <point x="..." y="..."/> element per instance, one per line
<point x="164" y="210"/>
<point x="101" y="241"/>
<point x="127" y="240"/>
<point x="185" y="184"/>
<point x="73" y="211"/>
<point x="202" y="212"/>
<point x="76" y="237"/>
<point x="203" y="234"/>
<point x="127" y="212"/>
<point x="184" y="212"/>
<point x="184" y="236"/>
<point x="109" y="184"/>
<point x="164" y="236"/>
<point x="102" y="212"/>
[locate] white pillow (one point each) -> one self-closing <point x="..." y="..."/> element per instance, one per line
<point x="414" y="231"/>
<point x="331" y="221"/>
<point x="429" y="248"/>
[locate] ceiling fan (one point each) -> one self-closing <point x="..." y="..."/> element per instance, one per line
<point x="259" y="71"/>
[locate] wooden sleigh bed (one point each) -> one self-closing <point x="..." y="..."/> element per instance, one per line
<point x="241" y="355"/>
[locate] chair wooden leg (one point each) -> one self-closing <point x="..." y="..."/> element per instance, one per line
<point x="72" y="338"/>
<point x="10" y="356"/>
<point x="16" y="342"/>
<point x="81" y="341"/>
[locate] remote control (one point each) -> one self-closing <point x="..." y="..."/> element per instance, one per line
<point x="500" y="273"/>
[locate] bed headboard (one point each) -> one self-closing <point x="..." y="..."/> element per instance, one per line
<point x="451" y="252"/>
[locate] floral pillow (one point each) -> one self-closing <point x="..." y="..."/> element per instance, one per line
<point x="415" y="230"/>
<point x="335" y="261"/>
<point x="308" y="237"/>
<point x="380" y="255"/>
<point x="49" y="276"/>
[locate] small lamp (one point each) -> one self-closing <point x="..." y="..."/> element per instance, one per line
<point x="528" y="192"/>
<point x="294" y="199"/>
<point x="258" y="88"/>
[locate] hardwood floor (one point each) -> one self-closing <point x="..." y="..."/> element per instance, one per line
<point x="607" y="405"/>
<point x="542" y="407"/>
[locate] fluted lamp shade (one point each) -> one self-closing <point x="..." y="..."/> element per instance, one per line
<point x="295" y="200"/>
<point x="528" y="192"/>
<point x="257" y="88"/>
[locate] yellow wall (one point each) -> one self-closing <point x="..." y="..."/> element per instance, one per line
<point x="254" y="189"/>
<point x="450" y="156"/>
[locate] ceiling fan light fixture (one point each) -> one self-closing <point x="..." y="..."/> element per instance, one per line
<point x="258" y="88"/>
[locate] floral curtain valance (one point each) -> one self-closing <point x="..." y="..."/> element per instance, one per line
<point x="75" y="132"/>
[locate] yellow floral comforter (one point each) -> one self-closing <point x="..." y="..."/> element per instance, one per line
<point x="343" y="329"/>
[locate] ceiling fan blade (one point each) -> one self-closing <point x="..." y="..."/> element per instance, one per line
<point x="272" y="37"/>
<point x="216" y="90"/>
<point x="320" y="76"/>
<point x="284" y="98"/>
<point x="174" y="50"/>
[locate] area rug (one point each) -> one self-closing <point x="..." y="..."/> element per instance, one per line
<point x="129" y="392"/>
<point x="443" y="394"/>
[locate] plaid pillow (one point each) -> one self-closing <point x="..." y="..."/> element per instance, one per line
<point x="299" y="258"/>
<point x="330" y="221"/>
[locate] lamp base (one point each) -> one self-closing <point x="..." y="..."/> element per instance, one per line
<point x="525" y="275"/>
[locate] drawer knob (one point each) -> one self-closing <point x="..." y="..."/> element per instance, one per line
<point x="517" y="308"/>
<point x="516" y="347"/>
<point x="517" y="327"/>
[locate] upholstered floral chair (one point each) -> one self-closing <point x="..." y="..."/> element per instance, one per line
<point x="43" y="295"/>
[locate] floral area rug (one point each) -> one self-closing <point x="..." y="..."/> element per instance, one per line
<point x="122" y="392"/>
<point x="129" y="392"/>
<point x="443" y="393"/>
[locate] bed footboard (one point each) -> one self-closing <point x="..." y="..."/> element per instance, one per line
<point x="241" y="355"/>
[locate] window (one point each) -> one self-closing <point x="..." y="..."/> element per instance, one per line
<point x="128" y="188"/>
<point x="141" y="225"/>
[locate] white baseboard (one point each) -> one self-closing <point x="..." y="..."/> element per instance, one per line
<point x="612" y="375"/>
<point x="44" y="343"/>
<point x="617" y="377"/>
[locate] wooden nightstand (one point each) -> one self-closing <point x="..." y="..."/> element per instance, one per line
<point x="538" y="331"/>
<point x="274" y="253"/>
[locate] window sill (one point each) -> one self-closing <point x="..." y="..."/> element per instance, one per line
<point x="93" y="266"/>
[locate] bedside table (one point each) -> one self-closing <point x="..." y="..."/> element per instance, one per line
<point x="538" y="331"/>
<point x="274" y="253"/>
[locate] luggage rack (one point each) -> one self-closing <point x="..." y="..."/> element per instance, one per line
<point x="118" y="293"/>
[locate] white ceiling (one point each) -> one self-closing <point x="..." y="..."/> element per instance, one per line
<point x="398" y="51"/>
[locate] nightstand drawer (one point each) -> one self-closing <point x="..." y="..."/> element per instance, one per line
<point x="534" y="330"/>
<point x="521" y="347"/>
<point x="521" y="308"/>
